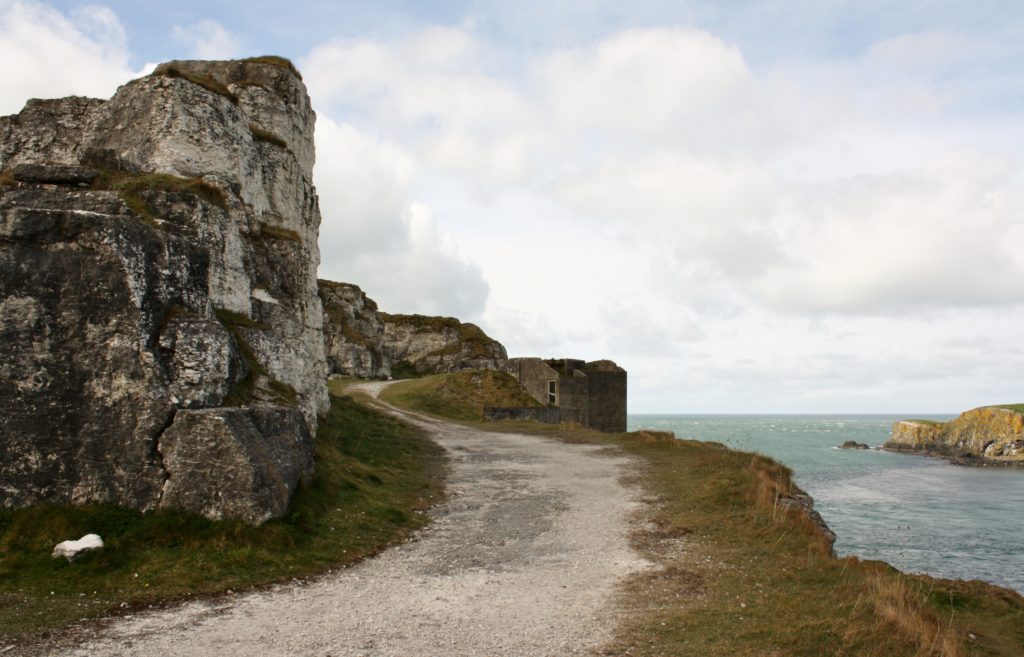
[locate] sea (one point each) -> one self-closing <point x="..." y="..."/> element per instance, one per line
<point x="921" y="514"/>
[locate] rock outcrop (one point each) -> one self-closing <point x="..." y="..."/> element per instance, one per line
<point x="353" y="332"/>
<point x="364" y="342"/>
<point x="161" y="336"/>
<point x="987" y="434"/>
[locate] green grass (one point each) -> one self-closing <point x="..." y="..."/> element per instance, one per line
<point x="374" y="477"/>
<point x="740" y="576"/>
<point x="459" y="396"/>
<point x="1017" y="408"/>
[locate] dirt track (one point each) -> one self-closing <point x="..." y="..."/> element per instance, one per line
<point x="522" y="560"/>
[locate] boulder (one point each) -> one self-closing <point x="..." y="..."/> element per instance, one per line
<point x="853" y="444"/>
<point x="71" y="550"/>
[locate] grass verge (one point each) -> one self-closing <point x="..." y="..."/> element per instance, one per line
<point x="374" y="476"/>
<point x="741" y="574"/>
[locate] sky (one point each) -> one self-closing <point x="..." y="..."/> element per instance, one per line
<point x="760" y="206"/>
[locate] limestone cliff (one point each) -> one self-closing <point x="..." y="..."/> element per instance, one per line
<point x="160" y="330"/>
<point x="364" y="342"/>
<point x="990" y="433"/>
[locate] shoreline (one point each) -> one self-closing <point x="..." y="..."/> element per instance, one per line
<point x="958" y="459"/>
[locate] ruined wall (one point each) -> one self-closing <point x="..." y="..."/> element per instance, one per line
<point x="533" y="375"/>
<point x="545" y="414"/>
<point x="606" y="390"/>
<point x="589" y="394"/>
<point x="160" y="329"/>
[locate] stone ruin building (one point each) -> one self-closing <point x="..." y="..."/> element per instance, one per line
<point x="572" y="391"/>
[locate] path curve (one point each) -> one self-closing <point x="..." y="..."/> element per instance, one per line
<point x="522" y="560"/>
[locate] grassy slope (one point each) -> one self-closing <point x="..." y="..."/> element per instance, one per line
<point x="374" y="475"/>
<point x="460" y="396"/>
<point x="740" y="577"/>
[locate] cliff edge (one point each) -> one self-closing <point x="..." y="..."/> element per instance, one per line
<point x="364" y="342"/>
<point x="986" y="434"/>
<point x="160" y="330"/>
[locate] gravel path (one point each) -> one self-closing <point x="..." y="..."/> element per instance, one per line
<point x="522" y="560"/>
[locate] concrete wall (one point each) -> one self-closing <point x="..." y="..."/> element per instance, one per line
<point x="546" y="414"/>
<point x="589" y="394"/>
<point x="533" y="374"/>
<point x="607" y="397"/>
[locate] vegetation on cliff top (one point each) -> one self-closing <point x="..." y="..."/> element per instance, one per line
<point x="274" y="60"/>
<point x="204" y="81"/>
<point x="740" y="574"/>
<point x="374" y="476"/>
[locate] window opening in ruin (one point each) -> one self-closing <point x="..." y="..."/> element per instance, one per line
<point x="552" y="396"/>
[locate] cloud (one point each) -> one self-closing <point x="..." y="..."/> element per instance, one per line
<point x="941" y="236"/>
<point x="655" y="197"/>
<point x="207" y="39"/>
<point x="433" y="88"/>
<point x="374" y="235"/>
<point x="669" y="86"/>
<point x="52" y="54"/>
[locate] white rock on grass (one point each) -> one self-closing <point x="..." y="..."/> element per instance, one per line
<point x="72" y="549"/>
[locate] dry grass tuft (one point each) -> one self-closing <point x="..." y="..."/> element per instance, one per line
<point x="902" y="607"/>
<point x="274" y="60"/>
<point x="649" y="436"/>
<point x="266" y="136"/>
<point x="203" y="81"/>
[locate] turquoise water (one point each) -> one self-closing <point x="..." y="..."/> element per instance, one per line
<point x="919" y="514"/>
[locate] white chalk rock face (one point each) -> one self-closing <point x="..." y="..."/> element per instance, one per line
<point x="158" y="257"/>
<point x="71" y="550"/>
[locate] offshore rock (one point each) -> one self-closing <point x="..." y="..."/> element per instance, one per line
<point x="989" y="434"/>
<point x="361" y="341"/>
<point x="158" y="256"/>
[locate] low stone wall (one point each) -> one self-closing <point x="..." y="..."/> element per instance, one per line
<point x="545" y="414"/>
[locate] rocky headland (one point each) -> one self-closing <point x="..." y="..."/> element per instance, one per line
<point x="161" y="338"/>
<point x="362" y="341"/>
<point x="988" y="435"/>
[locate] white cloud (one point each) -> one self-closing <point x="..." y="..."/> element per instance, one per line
<point x="677" y="86"/>
<point x="942" y="236"/>
<point x="207" y="39"/>
<point x="653" y="198"/>
<point x="374" y="235"/>
<point x="52" y="54"/>
<point x="431" y="87"/>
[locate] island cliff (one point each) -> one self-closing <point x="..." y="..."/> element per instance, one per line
<point x="161" y="338"/>
<point x="990" y="434"/>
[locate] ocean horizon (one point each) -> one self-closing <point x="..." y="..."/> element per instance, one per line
<point x="921" y="514"/>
